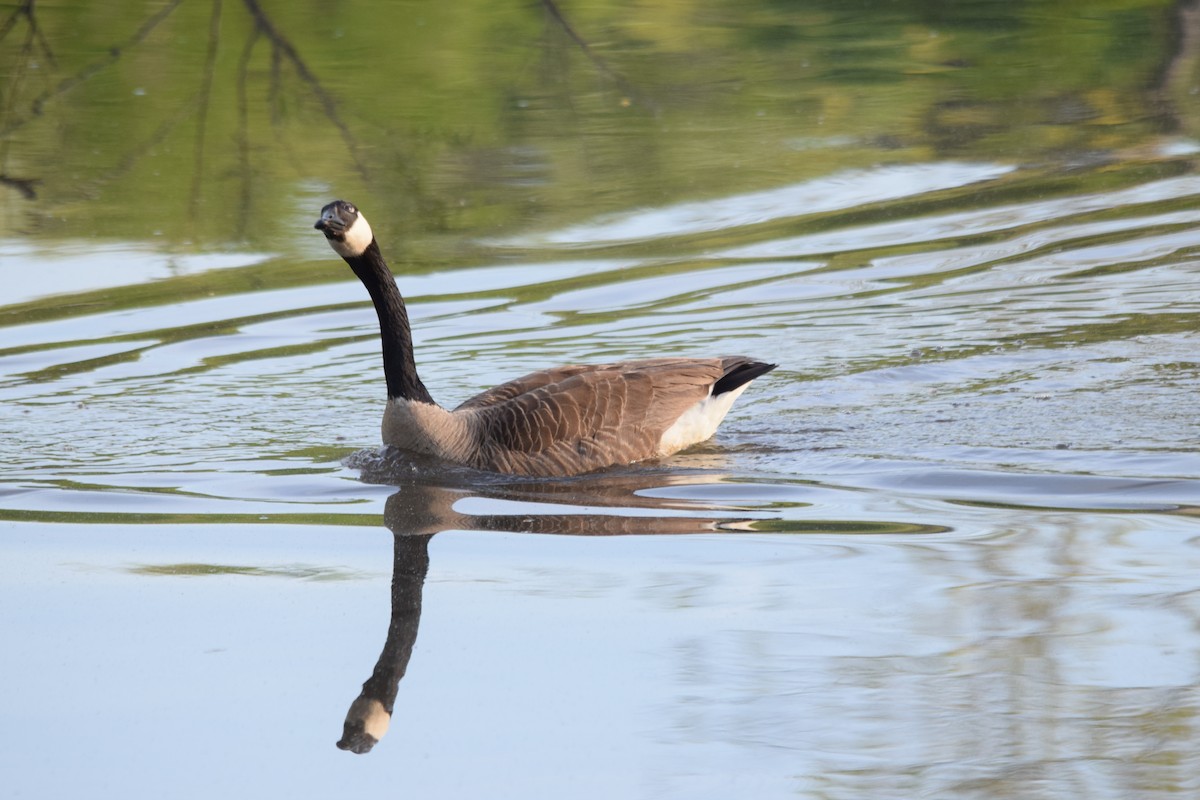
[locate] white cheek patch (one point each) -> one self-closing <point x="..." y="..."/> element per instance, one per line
<point x="358" y="236"/>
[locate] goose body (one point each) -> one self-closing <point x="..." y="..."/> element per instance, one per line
<point x="554" y="422"/>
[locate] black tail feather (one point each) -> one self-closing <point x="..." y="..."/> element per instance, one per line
<point x="739" y="373"/>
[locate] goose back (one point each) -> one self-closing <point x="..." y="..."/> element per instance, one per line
<point x="578" y="418"/>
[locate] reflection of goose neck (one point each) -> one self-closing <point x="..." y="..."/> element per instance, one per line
<point x="371" y="712"/>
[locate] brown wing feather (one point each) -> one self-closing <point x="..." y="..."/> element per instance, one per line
<point x="519" y="386"/>
<point x="576" y="419"/>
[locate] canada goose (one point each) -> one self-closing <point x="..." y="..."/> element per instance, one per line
<point x="557" y="422"/>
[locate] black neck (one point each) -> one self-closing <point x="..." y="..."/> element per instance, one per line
<point x="399" y="366"/>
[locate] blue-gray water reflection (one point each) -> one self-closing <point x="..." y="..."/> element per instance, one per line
<point x="773" y="662"/>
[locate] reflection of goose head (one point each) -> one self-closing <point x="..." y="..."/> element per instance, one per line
<point x="366" y="723"/>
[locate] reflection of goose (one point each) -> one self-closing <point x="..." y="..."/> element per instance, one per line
<point x="419" y="510"/>
<point x="371" y="712"/>
<point x="560" y="421"/>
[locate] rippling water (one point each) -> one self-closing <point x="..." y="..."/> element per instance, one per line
<point x="947" y="549"/>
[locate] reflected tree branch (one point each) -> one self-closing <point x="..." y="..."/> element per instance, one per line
<point x="41" y="37"/>
<point x="155" y="139"/>
<point x="1178" y="72"/>
<point x="275" y="109"/>
<point x="282" y="52"/>
<point x="283" y="49"/>
<point x="22" y="10"/>
<point x="631" y="93"/>
<point x="21" y="104"/>
<point x="210" y="66"/>
<point x="34" y="40"/>
<point x="243" y="130"/>
<point x="275" y="85"/>
<point x="36" y="37"/>
<point x="14" y="85"/>
<point x="26" y="10"/>
<point x="25" y="186"/>
<point x="83" y="75"/>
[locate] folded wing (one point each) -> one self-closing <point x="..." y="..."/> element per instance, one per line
<point x="574" y="419"/>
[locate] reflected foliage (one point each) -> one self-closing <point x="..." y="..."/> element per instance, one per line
<point x="968" y="354"/>
<point x="223" y="121"/>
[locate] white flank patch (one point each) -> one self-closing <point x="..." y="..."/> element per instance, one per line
<point x="699" y="422"/>
<point x="358" y="236"/>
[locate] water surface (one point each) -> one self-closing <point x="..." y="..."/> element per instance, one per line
<point x="947" y="549"/>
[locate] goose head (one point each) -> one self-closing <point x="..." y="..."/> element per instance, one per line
<point x="346" y="229"/>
